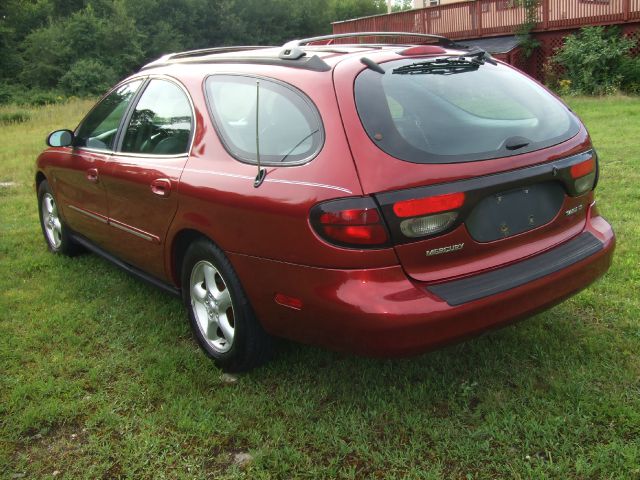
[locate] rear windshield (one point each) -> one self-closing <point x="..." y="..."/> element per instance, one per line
<point x="459" y="115"/>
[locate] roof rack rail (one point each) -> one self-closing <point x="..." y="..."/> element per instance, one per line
<point x="306" y="41"/>
<point x="200" y="52"/>
<point x="207" y="51"/>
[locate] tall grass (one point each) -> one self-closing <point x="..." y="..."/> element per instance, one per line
<point x="22" y="141"/>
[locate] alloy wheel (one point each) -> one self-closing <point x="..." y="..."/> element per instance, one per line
<point x="212" y="306"/>
<point x="51" y="221"/>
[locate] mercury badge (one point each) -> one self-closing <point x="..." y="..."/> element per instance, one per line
<point x="448" y="249"/>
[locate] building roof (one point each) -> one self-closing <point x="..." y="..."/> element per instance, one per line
<point x="493" y="45"/>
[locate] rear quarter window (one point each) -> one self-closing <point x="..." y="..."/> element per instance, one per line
<point x="289" y="129"/>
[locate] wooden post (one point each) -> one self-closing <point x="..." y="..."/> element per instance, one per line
<point x="626" y="5"/>
<point x="545" y="14"/>
<point x="479" y="17"/>
<point x="426" y="20"/>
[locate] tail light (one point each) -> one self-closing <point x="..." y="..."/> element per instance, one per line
<point x="430" y="215"/>
<point x="350" y="222"/>
<point x="584" y="175"/>
<point x="422" y="206"/>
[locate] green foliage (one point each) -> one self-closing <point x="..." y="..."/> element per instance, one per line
<point x="19" y="95"/>
<point x="346" y="9"/>
<point x="54" y="54"/>
<point x="41" y="97"/>
<point x="7" y="118"/>
<point x="46" y="44"/>
<point x="527" y="42"/>
<point x="45" y="55"/>
<point x="273" y="22"/>
<point x="630" y="75"/>
<point x="18" y="18"/>
<point x="592" y="60"/>
<point x="87" y="76"/>
<point x="401" y="6"/>
<point x="6" y="93"/>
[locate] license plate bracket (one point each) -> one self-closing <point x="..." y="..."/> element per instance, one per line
<point x="505" y="214"/>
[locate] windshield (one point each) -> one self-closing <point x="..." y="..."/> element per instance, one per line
<point x="447" y="115"/>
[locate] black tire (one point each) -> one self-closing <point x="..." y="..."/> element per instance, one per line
<point x="221" y="317"/>
<point x="56" y="234"/>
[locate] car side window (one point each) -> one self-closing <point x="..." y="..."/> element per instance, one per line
<point x="99" y="128"/>
<point x="289" y="125"/>
<point x="161" y="122"/>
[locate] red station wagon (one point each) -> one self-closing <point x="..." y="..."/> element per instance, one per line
<point x="382" y="199"/>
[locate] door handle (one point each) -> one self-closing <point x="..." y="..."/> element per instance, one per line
<point x="92" y="175"/>
<point x="161" y="187"/>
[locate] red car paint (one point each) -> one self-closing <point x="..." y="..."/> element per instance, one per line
<point x="371" y="301"/>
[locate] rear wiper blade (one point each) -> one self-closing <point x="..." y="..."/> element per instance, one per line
<point x="440" y="66"/>
<point x="458" y="63"/>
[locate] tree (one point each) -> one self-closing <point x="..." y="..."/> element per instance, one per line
<point x="51" y="44"/>
<point x="111" y="40"/>
<point x="348" y="9"/>
<point x="401" y="5"/>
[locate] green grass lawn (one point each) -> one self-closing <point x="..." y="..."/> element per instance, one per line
<point x="100" y="377"/>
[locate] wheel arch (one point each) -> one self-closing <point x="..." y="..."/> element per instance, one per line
<point x="40" y="177"/>
<point x="179" y="244"/>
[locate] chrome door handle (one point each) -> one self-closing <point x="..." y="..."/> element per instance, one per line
<point x="92" y="175"/>
<point x="161" y="187"/>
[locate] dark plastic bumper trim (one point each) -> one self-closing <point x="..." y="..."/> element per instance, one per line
<point x="480" y="286"/>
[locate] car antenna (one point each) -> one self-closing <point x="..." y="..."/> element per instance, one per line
<point x="261" y="171"/>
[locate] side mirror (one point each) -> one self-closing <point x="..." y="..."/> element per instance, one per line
<point x="60" y="138"/>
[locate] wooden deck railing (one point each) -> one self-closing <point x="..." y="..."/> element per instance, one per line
<point x="486" y="18"/>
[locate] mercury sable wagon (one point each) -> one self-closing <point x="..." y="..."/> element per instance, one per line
<point x="377" y="198"/>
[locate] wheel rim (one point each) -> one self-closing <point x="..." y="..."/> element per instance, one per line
<point x="51" y="221"/>
<point x="212" y="306"/>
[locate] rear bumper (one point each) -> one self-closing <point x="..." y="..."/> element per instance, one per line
<point x="381" y="312"/>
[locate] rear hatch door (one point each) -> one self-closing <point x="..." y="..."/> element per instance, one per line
<point x="489" y="134"/>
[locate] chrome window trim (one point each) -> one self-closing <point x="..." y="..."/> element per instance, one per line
<point x="132" y="231"/>
<point x="149" y="155"/>
<point x="116" y="224"/>
<point x="89" y="214"/>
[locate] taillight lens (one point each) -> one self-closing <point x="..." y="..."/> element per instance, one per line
<point x="352" y="216"/>
<point x="429" y="215"/>
<point x="430" y="225"/>
<point x="584" y="175"/>
<point x="424" y="206"/>
<point x="350" y="222"/>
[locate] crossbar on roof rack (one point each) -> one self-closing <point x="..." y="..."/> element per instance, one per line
<point x="306" y="41"/>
